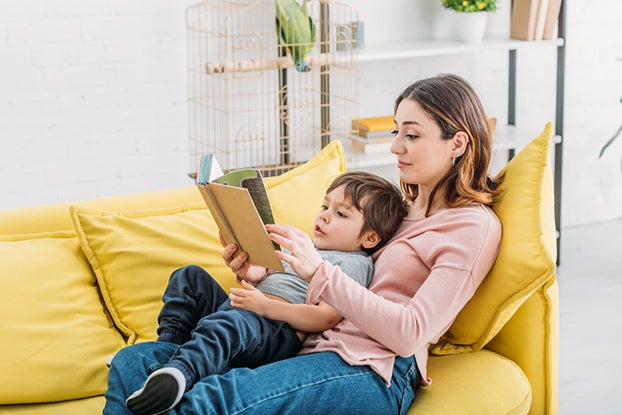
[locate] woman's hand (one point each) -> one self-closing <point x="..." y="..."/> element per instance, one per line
<point x="303" y="257"/>
<point x="249" y="298"/>
<point x="239" y="264"/>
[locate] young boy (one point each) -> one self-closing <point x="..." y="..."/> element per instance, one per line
<point x="268" y="322"/>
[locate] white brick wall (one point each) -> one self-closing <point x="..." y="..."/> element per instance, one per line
<point x="93" y="99"/>
<point x="93" y="95"/>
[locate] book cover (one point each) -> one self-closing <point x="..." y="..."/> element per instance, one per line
<point x="251" y="180"/>
<point x="240" y="205"/>
<point x="209" y="169"/>
<point x="551" y="19"/>
<point x="524" y="18"/>
<point x="540" y="21"/>
<point x="373" y="124"/>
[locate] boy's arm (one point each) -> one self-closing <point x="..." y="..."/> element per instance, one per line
<point x="302" y="317"/>
<point x="305" y="317"/>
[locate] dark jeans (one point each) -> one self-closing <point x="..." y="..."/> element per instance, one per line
<point x="213" y="335"/>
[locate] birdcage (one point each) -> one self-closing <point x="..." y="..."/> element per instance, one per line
<point x="249" y="104"/>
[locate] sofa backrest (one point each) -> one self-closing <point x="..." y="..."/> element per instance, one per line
<point x="514" y="311"/>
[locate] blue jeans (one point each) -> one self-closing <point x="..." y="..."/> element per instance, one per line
<point x="317" y="383"/>
<point x="213" y="335"/>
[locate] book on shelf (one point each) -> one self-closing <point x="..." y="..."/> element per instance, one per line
<point x="377" y="145"/>
<point x="492" y="125"/>
<point x="543" y="7"/>
<point x="373" y="126"/>
<point x="524" y="19"/>
<point x="377" y="134"/>
<point x="552" y="15"/>
<point x="240" y="206"/>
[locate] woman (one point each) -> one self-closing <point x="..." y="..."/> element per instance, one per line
<point x="373" y="360"/>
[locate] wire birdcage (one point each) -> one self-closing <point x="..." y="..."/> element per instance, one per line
<point x="247" y="102"/>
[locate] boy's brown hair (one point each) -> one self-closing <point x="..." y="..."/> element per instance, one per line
<point x="381" y="202"/>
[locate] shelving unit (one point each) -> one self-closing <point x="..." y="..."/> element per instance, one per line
<point x="425" y="48"/>
<point x="508" y="138"/>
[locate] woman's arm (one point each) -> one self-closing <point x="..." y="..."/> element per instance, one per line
<point x="422" y="279"/>
<point x="405" y="322"/>
<point x="302" y="317"/>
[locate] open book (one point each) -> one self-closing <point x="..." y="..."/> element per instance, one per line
<point x="240" y="206"/>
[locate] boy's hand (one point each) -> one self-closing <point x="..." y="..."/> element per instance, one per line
<point x="249" y="298"/>
<point x="238" y="264"/>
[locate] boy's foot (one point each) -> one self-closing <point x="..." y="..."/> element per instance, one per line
<point x="161" y="392"/>
<point x="109" y="360"/>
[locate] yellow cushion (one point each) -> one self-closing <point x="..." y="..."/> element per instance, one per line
<point x="481" y="382"/>
<point x="85" y="406"/>
<point x="133" y="253"/>
<point x="56" y="336"/>
<point x="527" y="254"/>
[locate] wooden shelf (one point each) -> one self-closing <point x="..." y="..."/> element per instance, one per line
<point x="378" y="51"/>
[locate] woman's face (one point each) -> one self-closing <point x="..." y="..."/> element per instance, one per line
<point x="423" y="157"/>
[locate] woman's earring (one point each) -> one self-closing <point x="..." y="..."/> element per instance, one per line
<point x="453" y="161"/>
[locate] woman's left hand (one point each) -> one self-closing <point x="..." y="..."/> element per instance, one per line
<point x="302" y="256"/>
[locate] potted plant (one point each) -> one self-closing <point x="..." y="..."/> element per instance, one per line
<point x="470" y="6"/>
<point x="471" y="24"/>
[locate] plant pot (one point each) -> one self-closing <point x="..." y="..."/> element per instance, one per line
<point x="470" y="27"/>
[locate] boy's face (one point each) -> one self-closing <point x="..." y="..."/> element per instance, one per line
<point x="338" y="224"/>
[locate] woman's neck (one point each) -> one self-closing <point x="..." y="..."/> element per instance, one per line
<point x="419" y="206"/>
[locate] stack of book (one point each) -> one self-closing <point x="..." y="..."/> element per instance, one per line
<point x="373" y="135"/>
<point x="534" y="19"/>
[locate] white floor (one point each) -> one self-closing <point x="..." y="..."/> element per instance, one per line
<point x="590" y="281"/>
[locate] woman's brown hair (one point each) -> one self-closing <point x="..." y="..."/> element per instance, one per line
<point x="453" y="104"/>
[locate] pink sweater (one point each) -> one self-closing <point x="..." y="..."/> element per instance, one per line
<point x="422" y="279"/>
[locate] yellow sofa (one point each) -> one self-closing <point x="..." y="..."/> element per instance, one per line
<point x="81" y="280"/>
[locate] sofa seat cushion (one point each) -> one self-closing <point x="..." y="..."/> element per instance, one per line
<point x="475" y="383"/>
<point x="56" y="334"/>
<point x="86" y="406"/>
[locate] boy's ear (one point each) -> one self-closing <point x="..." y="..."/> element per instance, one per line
<point x="370" y="239"/>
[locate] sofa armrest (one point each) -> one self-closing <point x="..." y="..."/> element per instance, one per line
<point x="531" y="340"/>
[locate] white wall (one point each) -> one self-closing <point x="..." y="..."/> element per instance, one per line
<point x="93" y="99"/>
<point x="93" y="94"/>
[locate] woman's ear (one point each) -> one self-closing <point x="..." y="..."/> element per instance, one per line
<point x="370" y="239"/>
<point x="459" y="144"/>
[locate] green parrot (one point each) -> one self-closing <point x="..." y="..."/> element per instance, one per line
<point x="295" y="30"/>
